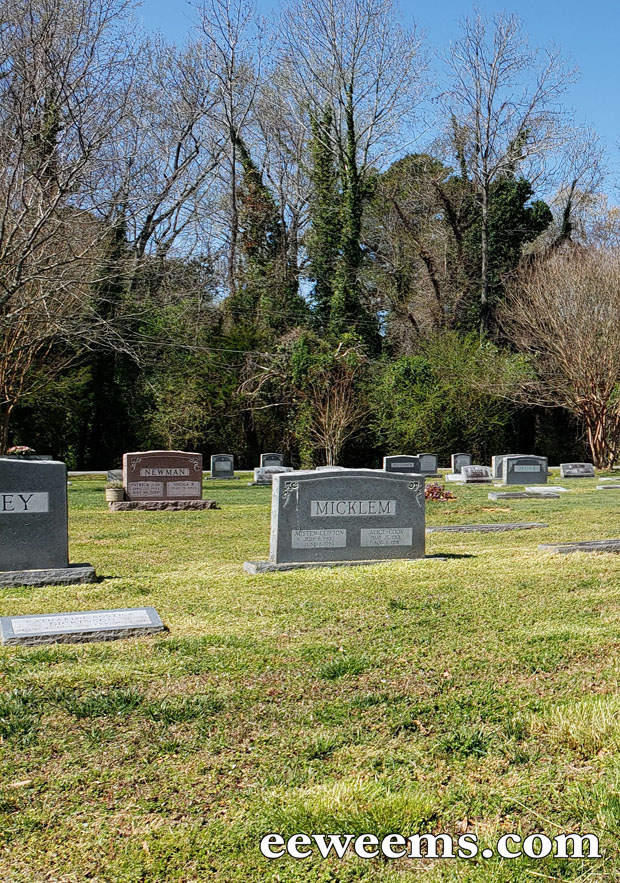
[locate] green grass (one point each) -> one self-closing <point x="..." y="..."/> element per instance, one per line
<point x="478" y="693"/>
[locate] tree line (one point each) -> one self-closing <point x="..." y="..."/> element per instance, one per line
<point x="247" y="242"/>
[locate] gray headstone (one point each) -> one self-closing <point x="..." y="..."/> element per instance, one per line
<point x="272" y="460"/>
<point x="457" y="461"/>
<point x="329" y="468"/>
<point x="496" y="464"/>
<point x="350" y="515"/>
<point x="33" y="514"/>
<point x="114" y="475"/>
<point x="525" y="470"/>
<point x="402" y="463"/>
<point x="428" y="464"/>
<point x="576" y="470"/>
<point x="476" y="474"/>
<point x="222" y="466"/>
<point x="90" y="625"/>
<point x="265" y="474"/>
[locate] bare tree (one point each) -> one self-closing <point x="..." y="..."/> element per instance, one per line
<point x="504" y="108"/>
<point x="63" y="94"/>
<point x="563" y="314"/>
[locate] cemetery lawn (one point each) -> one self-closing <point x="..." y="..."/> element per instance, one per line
<point x="479" y="693"/>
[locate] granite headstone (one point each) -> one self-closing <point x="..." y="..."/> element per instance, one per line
<point x="525" y="470"/>
<point x="34" y="524"/>
<point x="576" y="470"/>
<point x="271" y="460"/>
<point x="476" y="474"/>
<point x="457" y="461"/>
<point x="222" y="466"/>
<point x="344" y="517"/>
<point x="428" y="464"/>
<point x="90" y="625"/>
<point x="162" y="475"/>
<point x="402" y="463"/>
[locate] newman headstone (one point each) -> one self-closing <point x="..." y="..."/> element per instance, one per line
<point x="525" y="470"/>
<point x="428" y="465"/>
<point x="222" y="466"/>
<point x="576" y="470"/>
<point x="271" y="460"/>
<point x="352" y="516"/>
<point x="34" y="525"/>
<point x="457" y="461"/>
<point x="162" y="476"/>
<point x="402" y="463"/>
<point x="90" y="625"/>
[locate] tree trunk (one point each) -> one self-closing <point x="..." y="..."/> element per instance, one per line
<point x="484" y="263"/>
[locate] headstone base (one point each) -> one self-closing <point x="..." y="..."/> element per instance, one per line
<point x="485" y="528"/>
<point x="255" y="567"/>
<point x="53" y="576"/>
<point x="162" y="505"/>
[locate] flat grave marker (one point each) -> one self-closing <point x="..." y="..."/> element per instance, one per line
<point x="89" y="625"/>
<point x="476" y="474"/>
<point x="584" y="546"/>
<point x="485" y="528"/>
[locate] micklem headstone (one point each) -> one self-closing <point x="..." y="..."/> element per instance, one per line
<point x="402" y="463"/>
<point x="351" y="516"/>
<point x="222" y="466"/>
<point x="576" y="470"/>
<point x="457" y="461"/>
<point x="525" y="470"/>
<point x="34" y="546"/>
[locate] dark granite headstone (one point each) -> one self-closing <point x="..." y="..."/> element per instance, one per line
<point x="90" y="625"/>
<point x="525" y="470"/>
<point x="162" y="475"/>
<point x="457" y="461"/>
<point x="222" y="466"/>
<point x="428" y="464"/>
<point x="576" y="470"/>
<point x="342" y="517"/>
<point x="402" y="463"/>
<point x="34" y="525"/>
<point x="271" y="460"/>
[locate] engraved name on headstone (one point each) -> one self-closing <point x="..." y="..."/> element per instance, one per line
<point x="90" y="625"/>
<point x="162" y="475"/>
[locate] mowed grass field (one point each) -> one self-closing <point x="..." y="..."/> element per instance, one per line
<point x="475" y="694"/>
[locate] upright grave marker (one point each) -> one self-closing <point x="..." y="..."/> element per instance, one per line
<point x="34" y="548"/>
<point x="457" y="461"/>
<point x="222" y="466"/>
<point x="271" y="460"/>
<point x="402" y="463"/>
<point x="162" y="475"/>
<point x="350" y="516"/>
<point x="496" y="464"/>
<point x="476" y="474"/>
<point x="428" y="465"/>
<point x="576" y="470"/>
<point x="263" y="475"/>
<point x="525" y="470"/>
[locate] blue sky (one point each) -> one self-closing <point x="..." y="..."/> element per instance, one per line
<point x="587" y="32"/>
